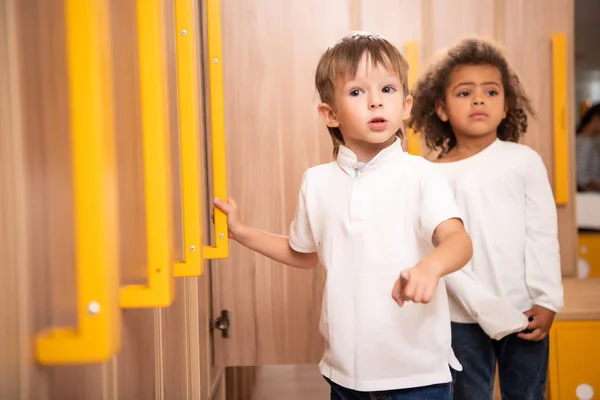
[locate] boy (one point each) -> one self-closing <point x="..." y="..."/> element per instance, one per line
<point x="381" y="222"/>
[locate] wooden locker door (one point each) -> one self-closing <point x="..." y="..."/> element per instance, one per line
<point x="270" y="53"/>
<point x="527" y="37"/>
<point x="46" y="243"/>
<point x="273" y="134"/>
<point x="161" y="356"/>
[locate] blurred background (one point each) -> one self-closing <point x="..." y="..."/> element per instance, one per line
<point x="120" y="120"/>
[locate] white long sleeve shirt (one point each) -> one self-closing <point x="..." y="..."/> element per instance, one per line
<point x="506" y="202"/>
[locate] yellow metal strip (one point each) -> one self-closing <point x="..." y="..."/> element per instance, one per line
<point x="411" y="51"/>
<point x="189" y="134"/>
<point x="217" y="121"/>
<point x="553" y="362"/>
<point x="560" y="128"/>
<point x="98" y="336"/>
<point x="159" y="291"/>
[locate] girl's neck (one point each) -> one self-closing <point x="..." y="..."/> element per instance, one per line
<point x="467" y="146"/>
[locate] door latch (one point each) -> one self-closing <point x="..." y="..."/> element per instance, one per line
<point x="223" y="323"/>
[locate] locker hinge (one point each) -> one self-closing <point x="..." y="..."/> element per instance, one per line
<point x="222" y="323"/>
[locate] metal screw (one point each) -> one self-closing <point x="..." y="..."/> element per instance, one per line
<point x="192" y="248"/>
<point x="221" y="236"/>
<point x="183" y="32"/>
<point x="215" y="60"/>
<point x="94" y="307"/>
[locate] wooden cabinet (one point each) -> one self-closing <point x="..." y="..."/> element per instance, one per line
<point x="574" y="369"/>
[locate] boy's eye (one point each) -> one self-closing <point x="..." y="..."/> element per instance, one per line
<point x="354" y="92"/>
<point x="388" y="89"/>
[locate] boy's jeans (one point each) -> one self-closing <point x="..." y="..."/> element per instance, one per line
<point x="522" y="365"/>
<point x="433" y="392"/>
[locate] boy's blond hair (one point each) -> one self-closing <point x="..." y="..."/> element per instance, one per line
<point x="342" y="60"/>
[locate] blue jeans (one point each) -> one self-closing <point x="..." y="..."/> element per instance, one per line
<point x="522" y="365"/>
<point x="434" y="392"/>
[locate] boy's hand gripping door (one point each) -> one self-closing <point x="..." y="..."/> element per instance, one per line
<point x="217" y="122"/>
<point x="159" y="291"/>
<point x="97" y="337"/>
<point x="560" y="99"/>
<point x="411" y="51"/>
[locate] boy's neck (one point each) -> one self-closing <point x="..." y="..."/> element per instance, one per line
<point x="366" y="151"/>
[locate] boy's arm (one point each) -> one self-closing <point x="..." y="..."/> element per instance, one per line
<point x="543" y="275"/>
<point x="276" y="247"/>
<point x="442" y="227"/>
<point x="453" y="248"/>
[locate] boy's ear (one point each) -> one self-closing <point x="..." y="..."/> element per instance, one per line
<point x="408" y="103"/>
<point x="440" y="110"/>
<point x="328" y="115"/>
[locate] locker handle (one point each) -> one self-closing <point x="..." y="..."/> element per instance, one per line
<point x="411" y="51"/>
<point x="560" y="115"/>
<point x="97" y="337"/>
<point x="187" y="81"/>
<point x="159" y="291"/>
<point x="217" y="122"/>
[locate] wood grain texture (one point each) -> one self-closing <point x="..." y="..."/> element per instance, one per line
<point x="528" y="33"/>
<point x="270" y="51"/>
<point x="14" y="362"/>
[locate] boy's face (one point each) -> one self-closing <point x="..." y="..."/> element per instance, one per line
<point x="369" y="108"/>
<point x="475" y="103"/>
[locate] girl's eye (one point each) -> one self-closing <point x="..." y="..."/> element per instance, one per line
<point x="354" y="92"/>
<point x="464" y="93"/>
<point x="492" y="92"/>
<point x="388" y="89"/>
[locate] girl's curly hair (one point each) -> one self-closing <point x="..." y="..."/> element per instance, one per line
<point x="431" y="88"/>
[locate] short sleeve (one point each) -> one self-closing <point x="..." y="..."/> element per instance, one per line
<point x="301" y="236"/>
<point x="437" y="201"/>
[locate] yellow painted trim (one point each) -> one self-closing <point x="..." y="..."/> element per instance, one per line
<point x="189" y="135"/>
<point x="411" y="51"/>
<point x="554" y="361"/>
<point x="98" y="335"/>
<point x="217" y="121"/>
<point x="560" y="116"/>
<point x="553" y="380"/>
<point x="159" y="291"/>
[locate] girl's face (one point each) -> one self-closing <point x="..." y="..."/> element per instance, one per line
<point x="474" y="104"/>
<point x="592" y="128"/>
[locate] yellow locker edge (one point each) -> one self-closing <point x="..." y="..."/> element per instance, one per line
<point x="159" y="292"/>
<point x="98" y="335"/>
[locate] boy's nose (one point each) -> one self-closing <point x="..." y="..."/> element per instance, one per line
<point x="375" y="104"/>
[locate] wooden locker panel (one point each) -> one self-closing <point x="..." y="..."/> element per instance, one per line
<point x="527" y="38"/>
<point x="273" y="134"/>
<point x="13" y="234"/>
<point x="449" y="22"/>
<point x="47" y="290"/>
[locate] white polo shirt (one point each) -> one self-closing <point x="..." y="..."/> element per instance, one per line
<point x="506" y="202"/>
<point x="368" y="222"/>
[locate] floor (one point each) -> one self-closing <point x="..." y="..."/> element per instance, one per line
<point x="290" y="382"/>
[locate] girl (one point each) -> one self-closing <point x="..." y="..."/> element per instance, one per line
<point x="471" y="108"/>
